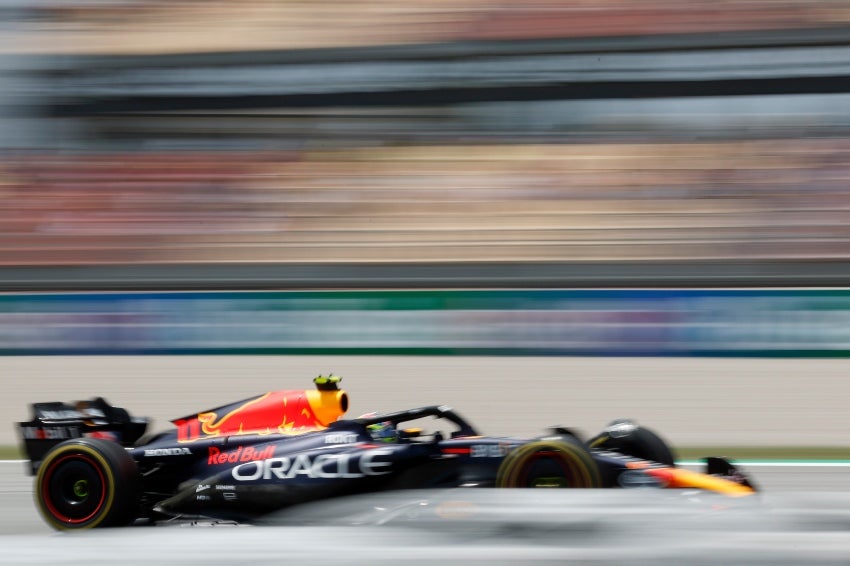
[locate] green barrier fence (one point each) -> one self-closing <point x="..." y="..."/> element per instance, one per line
<point x="701" y="322"/>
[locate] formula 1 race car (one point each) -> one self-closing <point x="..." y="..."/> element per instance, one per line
<point x="94" y="468"/>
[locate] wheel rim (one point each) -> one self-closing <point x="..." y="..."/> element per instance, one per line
<point x="74" y="489"/>
<point x="545" y="469"/>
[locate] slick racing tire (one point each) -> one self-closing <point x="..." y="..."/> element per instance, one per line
<point x="640" y="443"/>
<point x="563" y="462"/>
<point x="86" y="483"/>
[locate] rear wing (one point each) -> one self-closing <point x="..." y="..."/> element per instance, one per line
<point x="55" y="422"/>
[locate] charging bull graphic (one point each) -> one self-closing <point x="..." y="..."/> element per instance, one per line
<point x="275" y="412"/>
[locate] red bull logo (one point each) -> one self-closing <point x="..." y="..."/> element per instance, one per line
<point x="276" y="412"/>
<point x="241" y="454"/>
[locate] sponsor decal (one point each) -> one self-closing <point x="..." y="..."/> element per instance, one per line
<point x="183" y="451"/>
<point x="369" y="463"/>
<point x="341" y="438"/>
<point x="229" y="496"/>
<point x="221" y="487"/>
<point x="59" y="415"/>
<point x="240" y="454"/>
<point x="202" y="497"/>
<point x="489" y="450"/>
<point x="202" y="487"/>
<point x="50" y="432"/>
<point x="638" y="478"/>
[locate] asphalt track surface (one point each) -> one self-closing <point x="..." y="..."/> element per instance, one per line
<point x="793" y="521"/>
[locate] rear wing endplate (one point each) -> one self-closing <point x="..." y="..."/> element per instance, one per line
<point x="54" y="422"/>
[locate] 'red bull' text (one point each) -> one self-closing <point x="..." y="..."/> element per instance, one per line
<point x="241" y="454"/>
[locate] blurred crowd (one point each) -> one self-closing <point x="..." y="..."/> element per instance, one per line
<point x="757" y="199"/>
<point x="456" y="198"/>
<point x="155" y="26"/>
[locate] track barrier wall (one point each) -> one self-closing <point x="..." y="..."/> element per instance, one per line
<point x="693" y="322"/>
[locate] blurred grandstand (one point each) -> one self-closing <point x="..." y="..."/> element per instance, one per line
<point x="646" y="135"/>
<point x="156" y="26"/>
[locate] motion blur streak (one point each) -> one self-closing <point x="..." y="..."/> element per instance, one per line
<point x="499" y="526"/>
<point x="128" y="26"/>
<point x="726" y="200"/>
<point x="458" y="131"/>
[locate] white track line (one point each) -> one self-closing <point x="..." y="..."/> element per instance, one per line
<point x="777" y="464"/>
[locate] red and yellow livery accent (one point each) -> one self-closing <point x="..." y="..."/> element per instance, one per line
<point x="276" y="412"/>
<point x="678" y="477"/>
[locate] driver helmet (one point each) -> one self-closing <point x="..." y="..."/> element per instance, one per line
<point x="383" y="431"/>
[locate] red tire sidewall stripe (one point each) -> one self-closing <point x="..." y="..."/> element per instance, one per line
<point x="48" y="500"/>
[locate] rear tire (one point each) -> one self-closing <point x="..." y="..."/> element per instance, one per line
<point x="86" y="483"/>
<point x="640" y="443"/>
<point x="564" y="462"/>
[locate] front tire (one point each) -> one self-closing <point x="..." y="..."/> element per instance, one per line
<point x="86" y="483"/>
<point x="563" y="462"/>
<point x="640" y="442"/>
